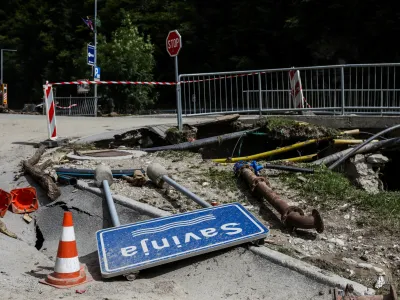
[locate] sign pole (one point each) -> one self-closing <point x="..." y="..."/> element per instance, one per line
<point x="95" y="50"/>
<point x="174" y="45"/>
<point x="178" y="94"/>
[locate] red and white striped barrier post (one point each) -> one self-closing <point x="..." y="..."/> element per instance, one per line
<point x="50" y="111"/>
<point x="296" y="89"/>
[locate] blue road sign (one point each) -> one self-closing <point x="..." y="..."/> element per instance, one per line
<point x="133" y="247"/>
<point x="97" y="73"/>
<point x="91" y="52"/>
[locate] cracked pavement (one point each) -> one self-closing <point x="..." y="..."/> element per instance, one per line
<point x="229" y="274"/>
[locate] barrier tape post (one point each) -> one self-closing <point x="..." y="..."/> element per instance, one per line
<point x="296" y="89"/>
<point x="50" y="111"/>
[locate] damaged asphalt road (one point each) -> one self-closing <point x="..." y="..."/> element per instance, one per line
<point x="234" y="273"/>
<point x="90" y="215"/>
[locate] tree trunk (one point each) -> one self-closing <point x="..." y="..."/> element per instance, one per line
<point x="44" y="180"/>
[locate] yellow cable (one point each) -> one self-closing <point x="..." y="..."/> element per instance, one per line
<point x="270" y="153"/>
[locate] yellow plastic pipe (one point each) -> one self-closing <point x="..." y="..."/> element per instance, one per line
<point x="270" y="153"/>
<point x="350" y="132"/>
<point x="349" y="142"/>
<point x="299" y="159"/>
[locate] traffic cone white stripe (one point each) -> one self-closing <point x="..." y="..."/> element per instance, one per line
<point x="67" y="265"/>
<point x="68" y="234"/>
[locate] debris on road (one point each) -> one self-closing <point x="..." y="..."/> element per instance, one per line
<point x="293" y="217"/>
<point x="104" y="178"/>
<point x="138" y="178"/>
<point x="159" y="175"/>
<point x="347" y="231"/>
<point x="27" y="218"/>
<point x="3" y="229"/>
<point x="45" y="181"/>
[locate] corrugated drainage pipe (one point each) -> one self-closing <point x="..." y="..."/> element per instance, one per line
<point x="291" y="216"/>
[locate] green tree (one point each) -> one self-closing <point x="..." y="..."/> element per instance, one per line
<point x="128" y="57"/>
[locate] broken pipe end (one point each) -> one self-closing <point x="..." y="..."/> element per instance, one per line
<point x="156" y="172"/>
<point x="295" y="218"/>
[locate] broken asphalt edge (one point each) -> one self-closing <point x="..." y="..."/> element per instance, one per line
<point x="310" y="271"/>
<point x="125" y="201"/>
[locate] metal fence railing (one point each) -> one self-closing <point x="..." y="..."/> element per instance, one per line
<point x="76" y="106"/>
<point x="338" y="90"/>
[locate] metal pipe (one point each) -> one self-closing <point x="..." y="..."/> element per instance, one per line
<point x="366" y="149"/>
<point x="88" y="173"/>
<point x="67" y="179"/>
<point x="291" y="216"/>
<point x="347" y="155"/>
<point x="111" y="204"/>
<point x="159" y="175"/>
<point x="186" y="192"/>
<point x="201" y="142"/>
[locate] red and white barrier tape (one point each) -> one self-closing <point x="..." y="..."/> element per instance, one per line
<point x="153" y="82"/>
<point x="113" y="82"/>
<point x="66" y="107"/>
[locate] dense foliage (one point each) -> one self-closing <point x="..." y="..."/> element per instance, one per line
<point x="217" y="36"/>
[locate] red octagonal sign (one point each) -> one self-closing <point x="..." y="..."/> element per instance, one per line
<point x="174" y="43"/>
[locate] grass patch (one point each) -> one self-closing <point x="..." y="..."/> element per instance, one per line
<point x="330" y="189"/>
<point x="222" y="179"/>
<point x="288" y="129"/>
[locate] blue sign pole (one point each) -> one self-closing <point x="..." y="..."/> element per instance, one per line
<point x="130" y="248"/>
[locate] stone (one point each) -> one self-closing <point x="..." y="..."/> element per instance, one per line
<point x="380" y="282"/>
<point x="365" y="266"/>
<point x="378" y="270"/>
<point x="364" y="257"/>
<point x="336" y="241"/>
<point x="349" y="261"/>
<point x="362" y="174"/>
<point x="301" y="178"/>
<point x="377" y="159"/>
<point x="205" y="184"/>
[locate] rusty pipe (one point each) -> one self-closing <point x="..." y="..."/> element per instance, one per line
<point x="291" y="216"/>
<point x="348" y="295"/>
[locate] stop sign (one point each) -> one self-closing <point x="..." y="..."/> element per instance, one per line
<point x="174" y="43"/>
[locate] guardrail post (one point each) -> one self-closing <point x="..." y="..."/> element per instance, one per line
<point x="70" y="104"/>
<point x="95" y="106"/>
<point x="342" y="89"/>
<point x="259" y="94"/>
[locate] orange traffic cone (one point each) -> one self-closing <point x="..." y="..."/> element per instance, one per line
<point x="68" y="271"/>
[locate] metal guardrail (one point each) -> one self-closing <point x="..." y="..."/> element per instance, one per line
<point x="76" y="106"/>
<point x="338" y="90"/>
